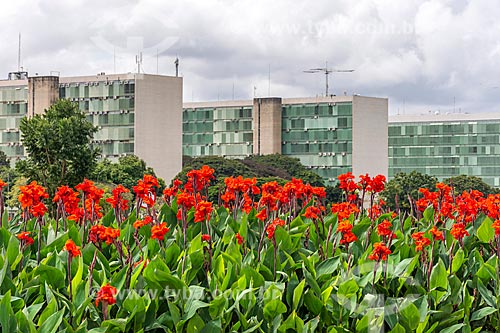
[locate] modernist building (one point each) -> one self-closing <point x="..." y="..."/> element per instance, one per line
<point x="446" y="145"/>
<point x="136" y="113"/>
<point x="330" y="135"/>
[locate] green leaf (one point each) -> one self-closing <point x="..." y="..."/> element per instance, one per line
<point x="297" y="294"/>
<point x="486" y="294"/>
<point x="458" y="260"/>
<point x="348" y="288"/>
<point x="78" y="276"/>
<point x="53" y="276"/>
<point x="485" y="232"/>
<point x="411" y="316"/>
<point x="439" y="281"/>
<point x="51" y="325"/>
<point x="398" y="329"/>
<point x="273" y="308"/>
<point x="481" y="313"/>
<point x="7" y="318"/>
<point x="452" y="329"/>
<point x="327" y="267"/>
<point x="12" y="250"/>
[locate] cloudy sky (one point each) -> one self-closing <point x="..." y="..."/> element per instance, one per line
<point x="423" y="55"/>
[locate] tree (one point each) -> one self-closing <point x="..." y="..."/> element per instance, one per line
<point x="404" y="184"/>
<point x="4" y="162"/>
<point x="58" y="146"/>
<point x="466" y="183"/>
<point x="127" y="171"/>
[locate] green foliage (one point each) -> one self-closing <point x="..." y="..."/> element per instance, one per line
<point x="404" y="185"/>
<point x="58" y="146"/>
<point x="127" y="171"/>
<point x="466" y="183"/>
<point x="4" y="161"/>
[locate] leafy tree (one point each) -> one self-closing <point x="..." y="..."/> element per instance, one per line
<point x="127" y="171"/>
<point x="4" y="161"/>
<point x="404" y="184"/>
<point x="466" y="183"/>
<point x="58" y="146"/>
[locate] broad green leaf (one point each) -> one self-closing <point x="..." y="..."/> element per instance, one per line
<point x="485" y="232"/>
<point x="411" y="315"/>
<point x="274" y="308"/>
<point x="348" y="288"/>
<point x="327" y="267"/>
<point x="297" y="294"/>
<point x="78" y="276"/>
<point x="51" y="325"/>
<point x="7" y="318"/>
<point x="481" y="313"/>
<point x="452" y="329"/>
<point x="439" y="280"/>
<point x="398" y="329"/>
<point x="458" y="260"/>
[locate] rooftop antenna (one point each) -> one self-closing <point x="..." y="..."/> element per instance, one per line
<point x="327" y="71"/>
<point x="138" y="61"/>
<point x="19" y="55"/>
<point x="176" y="62"/>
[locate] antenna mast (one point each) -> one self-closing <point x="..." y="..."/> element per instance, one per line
<point x="19" y="55"/>
<point x="327" y="71"/>
<point x="138" y="61"/>
<point x="176" y="62"/>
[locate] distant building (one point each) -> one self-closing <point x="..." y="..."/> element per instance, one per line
<point x="330" y="135"/>
<point x="136" y="113"/>
<point x="446" y="145"/>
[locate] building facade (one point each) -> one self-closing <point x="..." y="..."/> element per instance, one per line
<point x="446" y="145"/>
<point x="330" y="135"/>
<point x="135" y="113"/>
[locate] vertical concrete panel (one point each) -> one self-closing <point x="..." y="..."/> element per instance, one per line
<point x="370" y="136"/>
<point x="43" y="91"/>
<point x="158" y="123"/>
<point x="267" y="126"/>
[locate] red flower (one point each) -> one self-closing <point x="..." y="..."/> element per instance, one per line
<point x="25" y="237"/>
<point x="262" y="215"/>
<point x="205" y="237"/>
<point x="271" y="228"/>
<point x="345" y="228"/>
<point x="312" y="212"/>
<point x="436" y="234"/>
<point x="117" y="200"/>
<point x="420" y="240"/>
<point x="384" y="229"/>
<point x="73" y="250"/>
<point x="141" y="223"/>
<point x="239" y="238"/>
<point x="31" y="198"/>
<point x="106" y="295"/>
<point x="380" y="252"/>
<point x="496" y="226"/>
<point x="158" y="231"/>
<point x="145" y="189"/>
<point x="203" y="211"/>
<point x="458" y="231"/>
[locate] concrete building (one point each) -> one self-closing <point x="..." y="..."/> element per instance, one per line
<point x="330" y="135"/>
<point x="446" y="145"/>
<point x="136" y="113"/>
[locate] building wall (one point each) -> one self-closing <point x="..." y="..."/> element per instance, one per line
<point x="446" y="146"/>
<point x="158" y="123"/>
<point x="369" y="136"/>
<point x="319" y="133"/>
<point x="43" y="91"/>
<point x="13" y="107"/>
<point x="267" y="125"/>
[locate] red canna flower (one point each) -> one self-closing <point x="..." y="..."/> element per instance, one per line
<point x="72" y="248"/>
<point x="262" y="215"/>
<point x="312" y="212"/>
<point x="31" y="199"/>
<point x="239" y="239"/>
<point x="496" y="226"/>
<point x="158" y="231"/>
<point x="117" y="201"/>
<point x="271" y="228"/>
<point x="458" y="231"/>
<point x="106" y="295"/>
<point x="205" y="237"/>
<point x="380" y="252"/>
<point x="384" y="229"/>
<point x="345" y="228"/>
<point x="436" y="234"/>
<point x="420" y="240"/>
<point x="141" y="223"/>
<point x="202" y="211"/>
<point x="109" y="234"/>
<point x="25" y="237"/>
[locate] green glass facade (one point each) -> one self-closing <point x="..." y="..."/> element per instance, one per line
<point x="110" y="106"/>
<point x="222" y="131"/>
<point x="13" y="107"/>
<point x="446" y="149"/>
<point x="320" y="135"/>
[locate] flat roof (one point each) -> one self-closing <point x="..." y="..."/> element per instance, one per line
<point x="437" y="118"/>
<point x="284" y="101"/>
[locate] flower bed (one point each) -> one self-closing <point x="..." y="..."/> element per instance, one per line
<point x="261" y="259"/>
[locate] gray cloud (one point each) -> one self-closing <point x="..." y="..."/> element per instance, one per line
<point x="420" y="54"/>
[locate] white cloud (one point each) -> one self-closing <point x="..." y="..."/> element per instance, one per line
<point x="424" y="53"/>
